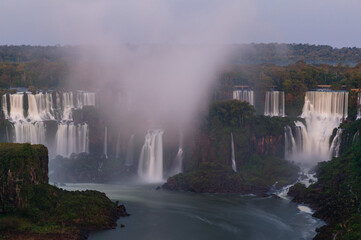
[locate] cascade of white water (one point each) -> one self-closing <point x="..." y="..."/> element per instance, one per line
<point x="290" y="143"/>
<point x="130" y="151"/>
<point x="68" y="106"/>
<point x="323" y="111"/>
<point x="85" y="99"/>
<point x="106" y="142"/>
<point x="274" y="103"/>
<point x="151" y="157"/>
<point x="244" y="95"/>
<point x="336" y="143"/>
<point x="29" y="126"/>
<point x="40" y="107"/>
<point x="16" y="107"/>
<point x="233" y="156"/>
<point x="27" y="132"/>
<point x="72" y="138"/>
<point x="5" y="106"/>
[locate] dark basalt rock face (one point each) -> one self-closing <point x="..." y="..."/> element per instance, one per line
<point x="21" y="166"/>
<point x="258" y="147"/>
<point x="33" y="209"/>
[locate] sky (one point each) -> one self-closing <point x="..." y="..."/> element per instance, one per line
<point x="50" y="22"/>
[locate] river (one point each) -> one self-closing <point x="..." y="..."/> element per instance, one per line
<point x="163" y="215"/>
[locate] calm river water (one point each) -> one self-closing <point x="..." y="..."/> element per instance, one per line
<point x="163" y="215"/>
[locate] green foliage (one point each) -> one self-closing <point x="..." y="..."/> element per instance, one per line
<point x="266" y="171"/>
<point x="30" y="204"/>
<point x="337" y="193"/>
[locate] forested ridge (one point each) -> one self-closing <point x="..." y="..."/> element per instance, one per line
<point x="252" y="64"/>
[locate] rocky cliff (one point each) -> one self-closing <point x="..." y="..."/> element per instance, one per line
<point x="258" y="147"/>
<point x="30" y="207"/>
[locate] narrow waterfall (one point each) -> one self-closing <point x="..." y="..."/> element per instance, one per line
<point x="117" y="147"/>
<point x="358" y="105"/>
<point x="16" y="107"/>
<point x="274" y="104"/>
<point x="85" y="99"/>
<point x="30" y="120"/>
<point x="336" y="143"/>
<point x="233" y="156"/>
<point x="105" y="143"/>
<point x="244" y="95"/>
<point x="290" y="143"/>
<point x="356" y="137"/>
<point x="130" y="151"/>
<point x="323" y="111"/>
<point x="67" y="106"/>
<point x="71" y="138"/>
<point x="177" y="166"/>
<point x="151" y="157"/>
<point x="5" y="106"/>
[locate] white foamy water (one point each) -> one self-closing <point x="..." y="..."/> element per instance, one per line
<point x="274" y="104"/>
<point x="31" y="121"/>
<point x="310" y="143"/>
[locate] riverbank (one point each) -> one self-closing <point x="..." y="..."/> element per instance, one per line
<point x="336" y="195"/>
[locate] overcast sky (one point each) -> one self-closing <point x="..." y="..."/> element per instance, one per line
<point x="49" y="22"/>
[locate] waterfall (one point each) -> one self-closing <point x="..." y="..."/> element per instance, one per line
<point x="130" y="151"/>
<point x="5" y="106"/>
<point x="336" y="143"/>
<point x="290" y="143"/>
<point x="117" y="147"/>
<point x="151" y="157"/>
<point x="356" y="137"/>
<point x="16" y="107"/>
<point x="33" y="133"/>
<point x="67" y="106"/>
<point x="244" y="95"/>
<point x="274" y="103"/>
<point x="106" y="143"/>
<point x="72" y="138"/>
<point x="40" y="107"/>
<point x="323" y="111"/>
<point x="177" y="166"/>
<point x="233" y="156"/>
<point x="85" y="99"/>
<point x="30" y="121"/>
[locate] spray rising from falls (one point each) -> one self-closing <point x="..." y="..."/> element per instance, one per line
<point x="233" y="156"/>
<point x="274" y="104"/>
<point x="105" y="143"/>
<point x="151" y="157"/>
<point x="244" y="95"/>
<point x="310" y="143"/>
<point x="34" y="117"/>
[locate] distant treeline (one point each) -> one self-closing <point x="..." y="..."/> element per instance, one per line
<point x="284" y="54"/>
<point x="282" y="65"/>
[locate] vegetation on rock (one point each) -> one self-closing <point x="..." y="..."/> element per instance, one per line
<point x="336" y="196"/>
<point x="29" y="205"/>
<point x="259" y="151"/>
